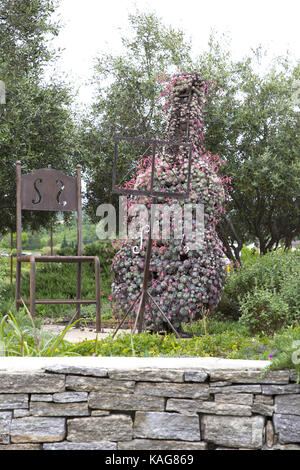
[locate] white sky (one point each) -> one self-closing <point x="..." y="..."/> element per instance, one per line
<point x="94" y="26"/>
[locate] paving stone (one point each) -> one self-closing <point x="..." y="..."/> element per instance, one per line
<point x="128" y="401"/>
<point x="148" y="375"/>
<point x="160" y="444"/>
<point x="236" y="432"/>
<point x="59" y="409"/>
<point x="156" y="425"/>
<point x="116" y="427"/>
<point x="287" y="427"/>
<point x="37" y="429"/>
<point x="165" y="389"/>
<point x="195" y="375"/>
<point x="102" y="445"/>
<point x="288" y="404"/>
<point x="31" y="383"/>
<point x="65" y="369"/>
<point x="5" y="423"/>
<point x="10" y="401"/>
<point x="89" y="384"/>
<point x="211" y="407"/>
<point x="250" y="376"/>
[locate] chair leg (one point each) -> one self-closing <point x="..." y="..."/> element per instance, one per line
<point x="32" y="286"/>
<point x="18" y="284"/>
<point x="79" y="283"/>
<point x="98" y="298"/>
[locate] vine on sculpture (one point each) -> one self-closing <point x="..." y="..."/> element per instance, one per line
<point x="184" y="282"/>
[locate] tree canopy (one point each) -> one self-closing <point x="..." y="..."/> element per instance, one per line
<point x="251" y="121"/>
<point x="36" y="125"/>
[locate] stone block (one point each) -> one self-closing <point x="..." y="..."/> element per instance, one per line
<point x="250" y="376"/>
<point x="10" y="401"/>
<point x="116" y="427"/>
<point x="210" y="407"/>
<point x="41" y="397"/>
<point x="288" y="404"/>
<point x="287" y="427"/>
<point x="234" y="398"/>
<point x="59" y="409"/>
<point x="262" y="409"/>
<point x="21" y="447"/>
<point x="70" y="397"/>
<point x="235" y="389"/>
<point x="148" y="375"/>
<point x="174" y="426"/>
<point x="5" y="424"/>
<point x="125" y="401"/>
<point x="31" y="383"/>
<point x="280" y="389"/>
<point x="195" y="375"/>
<point x="236" y="432"/>
<point x="160" y="444"/>
<point x="65" y="445"/>
<point x="65" y="369"/>
<point x="37" y="429"/>
<point x="90" y="384"/>
<point x="263" y="399"/>
<point x="174" y="390"/>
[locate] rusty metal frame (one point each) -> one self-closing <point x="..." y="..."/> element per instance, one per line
<point x="56" y="186"/>
<point x="154" y="143"/>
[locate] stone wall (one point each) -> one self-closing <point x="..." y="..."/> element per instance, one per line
<point x="140" y="404"/>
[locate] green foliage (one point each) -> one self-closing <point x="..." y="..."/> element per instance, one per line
<point x="278" y="270"/>
<point x="20" y="336"/>
<point x="226" y="344"/>
<point x="286" y="351"/>
<point x="36" y="123"/>
<point x="126" y="97"/>
<point x="212" y="326"/>
<point x="264" y="311"/>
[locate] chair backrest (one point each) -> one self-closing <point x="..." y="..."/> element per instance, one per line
<point x="48" y="189"/>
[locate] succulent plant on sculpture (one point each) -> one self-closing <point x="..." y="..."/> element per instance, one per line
<point x="184" y="282"/>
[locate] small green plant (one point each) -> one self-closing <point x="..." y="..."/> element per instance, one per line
<point x="20" y="336"/>
<point x="286" y="351"/>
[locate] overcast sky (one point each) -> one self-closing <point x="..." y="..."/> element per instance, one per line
<point x="94" y="26"/>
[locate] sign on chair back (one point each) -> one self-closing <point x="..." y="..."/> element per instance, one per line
<point x="48" y="189"/>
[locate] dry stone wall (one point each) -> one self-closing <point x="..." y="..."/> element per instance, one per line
<point x="69" y="407"/>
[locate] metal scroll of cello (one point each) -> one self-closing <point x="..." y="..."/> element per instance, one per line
<point x="144" y="294"/>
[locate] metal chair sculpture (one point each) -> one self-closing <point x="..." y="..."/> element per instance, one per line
<point x="48" y="189"/>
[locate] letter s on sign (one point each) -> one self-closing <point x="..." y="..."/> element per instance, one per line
<point x="296" y="354"/>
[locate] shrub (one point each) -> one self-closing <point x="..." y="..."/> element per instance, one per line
<point x="279" y="270"/>
<point x="264" y="311"/>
